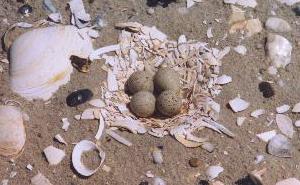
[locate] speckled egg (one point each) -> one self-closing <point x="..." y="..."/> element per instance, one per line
<point x="169" y="103"/>
<point x="140" y="81"/>
<point x="142" y="104"/>
<point x="166" y="79"/>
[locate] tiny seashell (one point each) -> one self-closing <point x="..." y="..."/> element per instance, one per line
<point x="77" y="117"/>
<point x="60" y="139"/>
<point x="280" y="146"/>
<point x="296" y="108"/>
<point x="54" y="155"/>
<point x="224" y="79"/>
<point x="106" y="168"/>
<point x="157" y="156"/>
<point x="12" y="174"/>
<point x="118" y="138"/>
<point x="159" y="181"/>
<point x="209" y="33"/>
<point x="66" y="124"/>
<point x="289" y="181"/>
<point x="282" y="109"/>
<point x="101" y="128"/>
<point x="240" y="120"/>
<point x="267" y="136"/>
<point x="79" y="17"/>
<point x="213" y="172"/>
<point x="97" y="103"/>
<point x="258" y="113"/>
<point x="79" y="97"/>
<point x="79" y="149"/>
<point x="259" y="159"/>
<point x="297" y="123"/>
<point x="55" y="17"/>
<point x="240" y="49"/>
<point x="208" y="147"/>
<point x="29" y="167"/>
<point x="237" y="104"/>
<point x="285" y="125"/>
<point x="149" y="174"/>
<point x="40" y="179"/>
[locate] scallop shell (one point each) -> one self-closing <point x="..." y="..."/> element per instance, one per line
<point x="40" y="60"/>
<point x="12" y="131"/>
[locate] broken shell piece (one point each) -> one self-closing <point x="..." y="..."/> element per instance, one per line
<point x="97" y="103"/>
<point x="282" y="109"/>
<point x="240" y="49"/>
<point x="12" y="131"/>
<point x="134" y="126"/>
<point x="29" y="167"/>
<point x="244" y="3"/>
<point x="297" y="123"/>
<point x="213" y="172"/>
<point x="224" y="79"/>
<point x="258" y="113"/>
<point x="256" y="176"/>
<point x="266" y="136"/>
<point x="279" y="50"/>
<point x="280" y="146"/>
<point x="52" y="69"/>
<point x="240" y="120"/>
<point x="289" y="181"/>
<point x="259" y="159"/>
<point x="118" y="138"/>
<point x="40" y="179"/>
<point x="54" y="155"/>
<point x="157" y="156"/>
<point x="296" y="108"/>
<point x="159" y="181"/>
<point x="80" y="148"/>
<point x="112" y="83"/>
<point x="60" y="139"/>
<point x="90" y="114"/>
<point x="209" y="33"/>
<point x="55" y="17"/>
<point x="285" y="125"/>
<point x="66" y="124"/>
<point x="277" y="24"/>
<point x="101" y="128"/>
<point x="237" y="104"/>
<point x="185" y="142"/>
<point x="208" y="147"/>
<point x="79" y="17"/>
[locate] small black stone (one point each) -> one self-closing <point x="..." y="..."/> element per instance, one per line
<point x="266" y="89"/>
<point x="144" y="183"/>
<point x="203" y="182"/>
<point x="297" y="10"/>
<point x="79" y="97"/>
<point x="25" y="9"/>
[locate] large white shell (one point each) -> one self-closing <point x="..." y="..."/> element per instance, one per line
<point x="79" y="149"/>
<point x="12" y="131"/>
<point x="40" y="60"/>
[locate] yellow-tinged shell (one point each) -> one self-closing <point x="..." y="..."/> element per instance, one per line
<point x="169" y="103"/>
<point x="140" y="81"/>
<point x="166" y="79"/>
<point x="12" y="131"/>
<point x="142" y="104"/>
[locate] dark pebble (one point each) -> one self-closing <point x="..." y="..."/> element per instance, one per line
<point x="144" y="183"/>
<point x="266" y="89"/>
<point x="25" y="9"/>
<point x="79" y="97"/>
<point x="195" y="162"/>
<point x="297" y="10"/>
<point x="203" y="182"/>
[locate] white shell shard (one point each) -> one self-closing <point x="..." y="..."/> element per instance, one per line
<point x="296" y="108"/>
<point x="134" y="126"/>
<point x="157" y="156"/>
<point x="55" y="17"/>
<point x="118" y="138"/>
<point x="12" y="131"/>
<point x="282" y="109"/>
<point x="213" y="172"/>
<point x="279" y="50"/>
<point x="157" y="34"/>
<point x="29" y="167"/>
<point x="79" y="149"/>
<point x="259" y="159"/>
<point x="209" y="33"/>
<point x="159" y="181"/>
<point x="89" y="113"/>
<point x="4" y="182"/>
<point x="101" y="128"/>
<point x="79" y="17"/>
<point x="208" y="146"/>
<point x="237" y="104"/>
<point x="54" y="155"/>
<point x="60" y="139"/>
<point x="36" y="73"/>
<point x="240" y="120"/>
<point x="97" y="54"/>
<point x="277" y="24"/>
<point x="258" y="113"/>
<point x="297" y="123"/>
<point x="285" y="125"/>
<point x="280" y="146"/>
<point x="240" y="49"/>
<point x="244" y="3"/>
<point x="289" y="181"/>
<point x="112" y="83"/>
<point x="289" y="2"/>
<point x="187" y="143"/>
<point x="66" y="124"/>
<point x="267" y="136"/>
<point x="40" y="179"/>
<point x="190" y="3"/>
<point x="97" y="103"/>
<point x="224" y="79"/>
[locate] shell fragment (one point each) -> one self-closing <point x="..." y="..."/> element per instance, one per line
<point x="237" y="104"/>
<point x="54" y="155"/>
<point x="40" y="179"/>
<point x="285" y="125"/>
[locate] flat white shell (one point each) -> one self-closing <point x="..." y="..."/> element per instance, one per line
<point x="12" y="131"/>
<point x="240" y="49"/>
<point x="277" y="24"/>
<point x="240" y="120"/>
<point x="289" y="181"/>
<point x="237" y="104"/>
<point x="280" y="146"/>
<point x="282" y="109"/>
<point x="97" y="103"/>
<point x="297" y="123"/>
<point x="54" y="155"/>
<point x="79" y="149"/>
<point x="266" y="136"/>
<point x="258" y="113"/>
<point x="285" y="125"/>
<point x="296" y="108"/>
<point x="40" y="60"/>
<point x="213" y="172"/>
<point x="224" y="79"/>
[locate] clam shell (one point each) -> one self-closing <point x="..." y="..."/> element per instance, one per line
<point x="40" y="60"/>
<point x="12" y="131"/>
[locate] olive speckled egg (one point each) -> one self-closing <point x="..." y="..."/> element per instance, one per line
<point x="140" y="81"/>
<point x="166" y="79"/>
<point x="142" y="104"/>
<point x="169" y="103"/>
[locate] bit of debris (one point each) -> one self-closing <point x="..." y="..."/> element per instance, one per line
<point x="285" y="125"/>
<point x="244" y="3"/>
<point x="259" y="159"/>
<point x="195" y="162"/>
<point x="54" y="155"/>
<point x="282" y="109"/>
<point x="66" y="124"/>
<point x="258" y="113"/>
<point x="256" y="176"/>
<point x="289" y="2"/>
<point x="224" y="79"/>
<point x="159" y="181"/>
<point x="289" y="181"/>
<point x="209" y="33"/>
<point x="213" y="172"/>
<point x="266" y="89"/>
<point x="237" y="104"/>
<point x="280" y="146"/>
<point x="40" y="179"/>
<point x="240" y="121"/>
<point x="97" y="103"/>
<point x="29" y="167"/>
<point x="267" y="136"/>
<point x="296" y="108"/>
<point x="297" y="123"/>
<point x="240" y="49"/>
<point x="60" y="139"/>
<point x="277" y="25"/>
<point x="79" y="17"/>
<point x="157" y="156"/>
<point x="49" y="6"/>
<point x="118" y="138"/>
